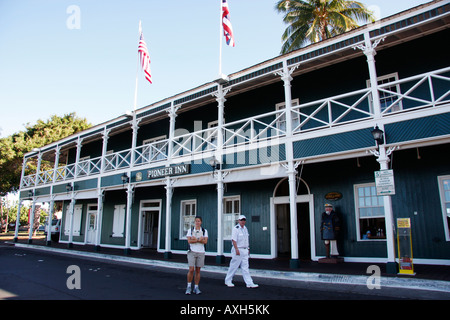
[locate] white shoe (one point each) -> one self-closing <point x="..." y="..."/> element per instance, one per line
<point x="197" y="290"/>
<point x="229" y="284"/>
<point x="188" y="290"/>
<point x="252" y="285"/>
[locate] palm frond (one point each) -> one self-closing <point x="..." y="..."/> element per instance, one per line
<point x="311" y="21"/>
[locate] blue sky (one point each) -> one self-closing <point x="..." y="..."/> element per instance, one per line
<point x="49" y="64"/>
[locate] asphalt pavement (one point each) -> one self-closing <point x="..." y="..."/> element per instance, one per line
<point x="431" y="279"/>
<point x="42" y="274"/>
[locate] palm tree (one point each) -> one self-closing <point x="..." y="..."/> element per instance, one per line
<point x="311" y="21"/>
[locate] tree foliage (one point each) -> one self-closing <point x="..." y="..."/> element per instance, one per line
<point x="312" y="21"/>
<point x="13" y="147"/>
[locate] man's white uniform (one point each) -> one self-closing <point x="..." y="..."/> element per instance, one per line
<point x="240" y="236"/>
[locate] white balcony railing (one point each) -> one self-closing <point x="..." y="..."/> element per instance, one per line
<point x="428" y="90"/>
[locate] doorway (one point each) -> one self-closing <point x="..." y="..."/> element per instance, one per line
<point x="281" y="222"/>
<point x="150" y="213"/>
<point x="150" y="229"/>
<point x="282" y="213"/>
<point x="91" y="225"/>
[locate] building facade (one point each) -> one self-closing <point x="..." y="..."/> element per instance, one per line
<point x="275" y="142"/>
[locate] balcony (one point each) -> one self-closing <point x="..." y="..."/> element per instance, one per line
<point x="401" y="97"/>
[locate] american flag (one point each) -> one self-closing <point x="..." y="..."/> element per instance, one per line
<point x="226" y="23"/>
<point x="144" y="58"/>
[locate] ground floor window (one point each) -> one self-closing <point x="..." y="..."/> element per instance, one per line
<point x="444" y="190"/>
<point x="231" y="212"/>
<point x="188" y="213"/>
<point x="369" y="212"/>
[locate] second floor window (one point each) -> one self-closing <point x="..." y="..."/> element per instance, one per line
<point x="388" y="94"/>
<point x="281" y="123"/>
<point x="156" y="148"/>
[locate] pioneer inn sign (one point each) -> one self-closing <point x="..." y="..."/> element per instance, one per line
<point x="275" y="142"/>
<point x="168" y="171"/>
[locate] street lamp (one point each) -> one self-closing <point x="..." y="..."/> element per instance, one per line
<point x="125" y="178"/>
<point x="214" y="163"/>
<point x="378" y="135"/>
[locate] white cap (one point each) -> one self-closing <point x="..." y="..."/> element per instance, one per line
<point x="242" y="217"/>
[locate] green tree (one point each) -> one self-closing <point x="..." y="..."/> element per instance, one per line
<point x="13" y="147"/>
<point x="10" y="210"/>
<point x="312" y="21"/>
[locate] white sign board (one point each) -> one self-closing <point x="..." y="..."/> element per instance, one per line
<point x="384" y="181"/>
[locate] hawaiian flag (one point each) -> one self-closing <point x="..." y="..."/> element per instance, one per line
<point x="144" y="58"/>
<point x="226" y="23"/>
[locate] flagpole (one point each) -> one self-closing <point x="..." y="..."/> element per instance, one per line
<point x="137" y="71"/>
<point x="220" y="40"/>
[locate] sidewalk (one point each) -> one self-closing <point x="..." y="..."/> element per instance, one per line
<point x="428" y="277"/>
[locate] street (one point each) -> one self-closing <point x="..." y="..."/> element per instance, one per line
<point x="35" y="275"/>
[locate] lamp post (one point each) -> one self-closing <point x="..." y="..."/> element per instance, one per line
<point x="382" y="155"/>
<point x="215" y="164"/>
<point x="219" y="175"/>
<point x="124" y="178"/>
<point x="378" y="135"/>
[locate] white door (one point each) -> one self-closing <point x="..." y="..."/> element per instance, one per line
<point x="91" y="224"/>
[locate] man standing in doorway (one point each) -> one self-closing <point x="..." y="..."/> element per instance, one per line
<point x="240" y="254"/>
<point x="197" y="238"/>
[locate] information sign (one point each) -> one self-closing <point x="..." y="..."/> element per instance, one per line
<point x="384" y="182"/>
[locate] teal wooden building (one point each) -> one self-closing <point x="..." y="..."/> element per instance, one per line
<point x="275" y="142"/>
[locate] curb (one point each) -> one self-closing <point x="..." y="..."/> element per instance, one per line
<point x="416" y="284"/>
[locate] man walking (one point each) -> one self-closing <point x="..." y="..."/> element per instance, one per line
<point x="197" y="238"/>
<point x="240" y="254"/>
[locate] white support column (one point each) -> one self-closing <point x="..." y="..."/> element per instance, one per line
<point x="33" y="206"/>
<point x="77" y="157"/>
<point x="71" y="212"/>
<point x="98" y="222"/>
<point x="49" y="219"/>
<point x="130" y="194"/>
<point x="369" y="50"/>
<point x="169" y="194"/>
<point x="16" y="231"/>
<point x="172" y="114"/>
<point x="382" y="155"/>
<point x="135" y="128"/>
<point x="104" y="149"/>
<point x="24" y="165"/>
<point x="291" y="165"/>
<point x="55" y="167"/>
<point x="38" y="169"/>
<point x="30" y="231"/>
<point x="219" y="174"/>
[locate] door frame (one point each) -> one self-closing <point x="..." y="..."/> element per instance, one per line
<point x="88" y="212"/>
<point x="305" y="198"/>
<point x="143" y="209"/>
